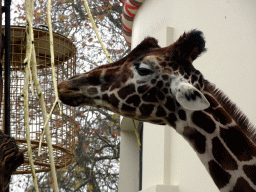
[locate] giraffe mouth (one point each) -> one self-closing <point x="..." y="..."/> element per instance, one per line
<point x="69" y="98"/>
<point x="72" y="96"/>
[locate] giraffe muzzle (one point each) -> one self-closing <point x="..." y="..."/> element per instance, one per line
<point x="70" y="95"/>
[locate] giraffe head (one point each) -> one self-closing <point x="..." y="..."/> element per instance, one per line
<point x="149" y="84"/>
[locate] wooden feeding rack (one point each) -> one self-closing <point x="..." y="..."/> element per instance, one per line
<point x="62" y="127"/>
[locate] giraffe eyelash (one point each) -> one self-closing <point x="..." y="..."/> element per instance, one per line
<point x="143" y="69"/>
<point x="145" y="66"/>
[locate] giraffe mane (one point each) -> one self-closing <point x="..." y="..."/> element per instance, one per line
<point x="232" y="109"/>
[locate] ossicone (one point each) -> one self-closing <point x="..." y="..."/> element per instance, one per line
<point x="189" y="46"/>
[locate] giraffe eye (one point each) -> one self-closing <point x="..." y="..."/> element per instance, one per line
<point x="143" y="69"/>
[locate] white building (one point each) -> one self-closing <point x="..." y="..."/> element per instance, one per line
<point x="168" y="162"/>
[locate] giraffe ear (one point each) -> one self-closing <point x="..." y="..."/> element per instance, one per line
<point x="191" y="98"/>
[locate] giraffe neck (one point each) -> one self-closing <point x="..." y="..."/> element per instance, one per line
<point x="224" y="141"/>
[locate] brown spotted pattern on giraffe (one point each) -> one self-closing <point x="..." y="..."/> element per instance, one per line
<point x="127" y="90"/>
<point x="92" y="91"/>
<point x="105" y="87"/>
<point x="238" y="143"/>
<point x="153" y="81"/>
<point x="182" y="115"/>
<point x="181" y="70"/>
<point x="126" y="74"/>
<point x="159" y="59"/>
<point x="250" y="171"/>
<point x="222" y="116"/>
<point x="196" y="85"/>
<point x="150" y="95"/>
<point x="94" y="77"/>
<point x="163" y="64"/>
<point x="129" y="109"/>
<point x="220" y="177"/>
<point x="114" y="100"/>
<point x="201" y="81"/>
<point x="185" y="64"/>
<point x="196" y="139"/>
<point x="199" y="74"/>
<point x="211" y="111"/>
<point x="170" y="104"/>
<point x="115" y="85"/>
<point x="242" y="186"/>
<point x="222" y="156"/>
<point x="143" y="88"/>
<point x="157" y="68"/>
<point x="160" y="112"/>
<point x="111" y="74"/>
<point x="186" y="77"/>
<point x="134" y="99"/>
<point x="168" y="58"/>
<point x="167" y="84"/>
<point x="175" y="67"/>
<point x="166" y="90"/>
<point x="105" y="97"/>
<point x="146" y="109"/>
<point x="203" y="121"/>
<point x="159" y="84"/>
<point x="194" y="78"/>
<point x="165" y="77"/>
<point x="172" y="119"/>
<point x="160" y="96"/>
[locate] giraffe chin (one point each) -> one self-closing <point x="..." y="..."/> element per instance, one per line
<point x="76" y="101"/>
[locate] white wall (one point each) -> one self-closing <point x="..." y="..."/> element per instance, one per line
<point x="229" y="28"/>
<point x="129" y="157"/>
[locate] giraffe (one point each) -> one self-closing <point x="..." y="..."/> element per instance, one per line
<point x="161" y="86"/>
